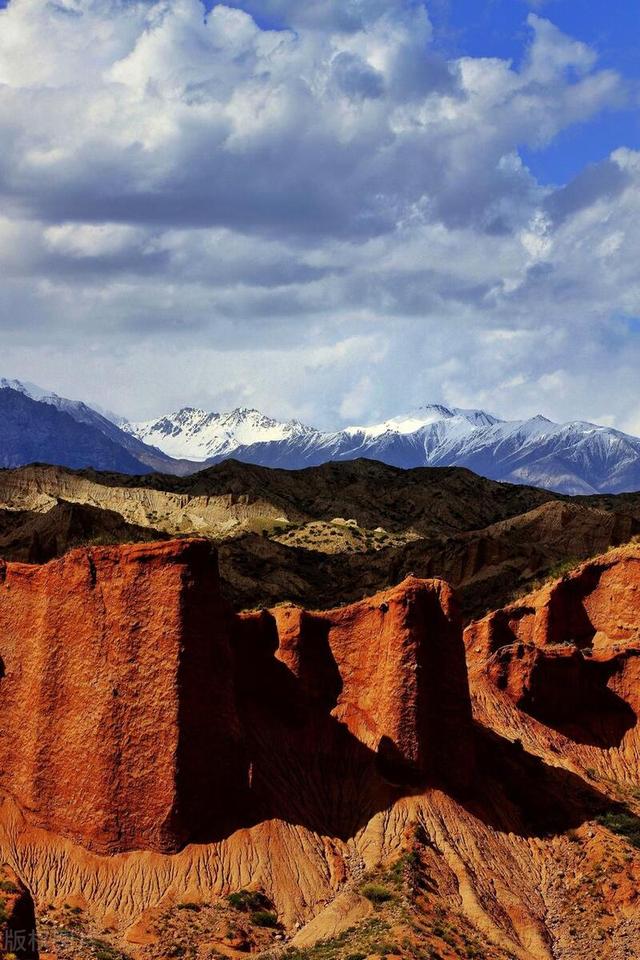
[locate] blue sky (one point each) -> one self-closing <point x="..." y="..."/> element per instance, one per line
<point x="496" y="28"/>
<point x="335" y="210"/>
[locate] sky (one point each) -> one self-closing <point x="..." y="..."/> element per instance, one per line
<point x="335" y="210"/>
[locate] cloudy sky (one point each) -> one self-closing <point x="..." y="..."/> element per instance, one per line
<point x="330" y="209"/>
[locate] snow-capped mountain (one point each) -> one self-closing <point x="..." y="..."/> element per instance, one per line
<point x="76" y="408"/>
<point x="575" y="458"/>
<point x="126" y="453"/>
<point x="197" y="435"/>
<point x="35" y="431"/>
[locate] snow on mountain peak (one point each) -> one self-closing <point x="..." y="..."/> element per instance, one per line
<point x="199" y="435"/>
<point x="31" y="390"/>
<point x="574" y="457"/>
<point x="426" y="416"/>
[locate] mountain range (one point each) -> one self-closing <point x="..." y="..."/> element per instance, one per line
<point x="573" y="458"/>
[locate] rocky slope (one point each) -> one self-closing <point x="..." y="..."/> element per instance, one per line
<point x="34" y="537"/>
<point x="327" y="535"/>
<point x="487" y="566"/>
<point x="337" y="776"/>
<point x="234" y="497"/>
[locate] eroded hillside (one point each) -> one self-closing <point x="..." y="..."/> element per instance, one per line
<point x="324" y="784"/>
<point x="325" y="535"/>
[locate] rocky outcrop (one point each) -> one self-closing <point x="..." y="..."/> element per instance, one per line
<point x="139" y="712"/>
<point x="118" y="720"/>
<point x="400" y="686"/>
<point x="345" y="710"/>
<point x="569" y="654"/>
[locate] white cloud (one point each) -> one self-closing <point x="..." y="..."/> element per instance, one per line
<point x="319" y="219"/>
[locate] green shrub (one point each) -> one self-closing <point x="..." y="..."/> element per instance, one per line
<point x="264" y="918"/>
<point x="376" y="893"/>
<point x="246" y="900"/>
<point x="6" y="886"/>
<point x="195" y="907"/>
<point x="104" y="951"/>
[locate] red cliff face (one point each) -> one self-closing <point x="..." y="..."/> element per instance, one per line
<point x="399" y="684"/>
<point x="344" y="710"/>
<point x="116" y="683"/>
<point x="569" y="654"/>
<point x="139" y="712"/>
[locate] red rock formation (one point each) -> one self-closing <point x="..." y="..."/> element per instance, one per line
<point x="569" y="654"/>
<point x="344" y="709"/>
<point x="138" y="712"/>
<point x="118" y="720"/>
<point x="595" y="606"/>
<point x="399" y="681"/>
<point x="317" y="731"/>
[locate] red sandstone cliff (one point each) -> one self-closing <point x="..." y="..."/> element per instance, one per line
<point x="569" y="653"/>
<point x="401" y="685"/>
<point x="139" y="712"/>
<point x="118" y="721"/>
<point x="301" y="750"/>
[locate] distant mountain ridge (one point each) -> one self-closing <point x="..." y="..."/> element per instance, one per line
<point x="82" y="448"/>
<point x="572" y="458"/>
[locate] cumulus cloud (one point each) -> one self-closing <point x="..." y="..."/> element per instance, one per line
<point x="309" y="206"/>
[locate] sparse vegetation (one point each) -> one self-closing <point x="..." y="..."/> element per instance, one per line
<point x="376" y="893"/>
<point x="248" y="900"/>
<point x="623" y="823"/>
<point x="264" y="918"/>
<point x="102" y="950"/>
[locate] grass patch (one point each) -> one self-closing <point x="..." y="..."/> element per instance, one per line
<point x="104" y="951"/>
<point x="356" y="943"/>
<point x="622" y="823"/>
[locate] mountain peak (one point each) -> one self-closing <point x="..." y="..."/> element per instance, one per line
<point x="573" y="458"/>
